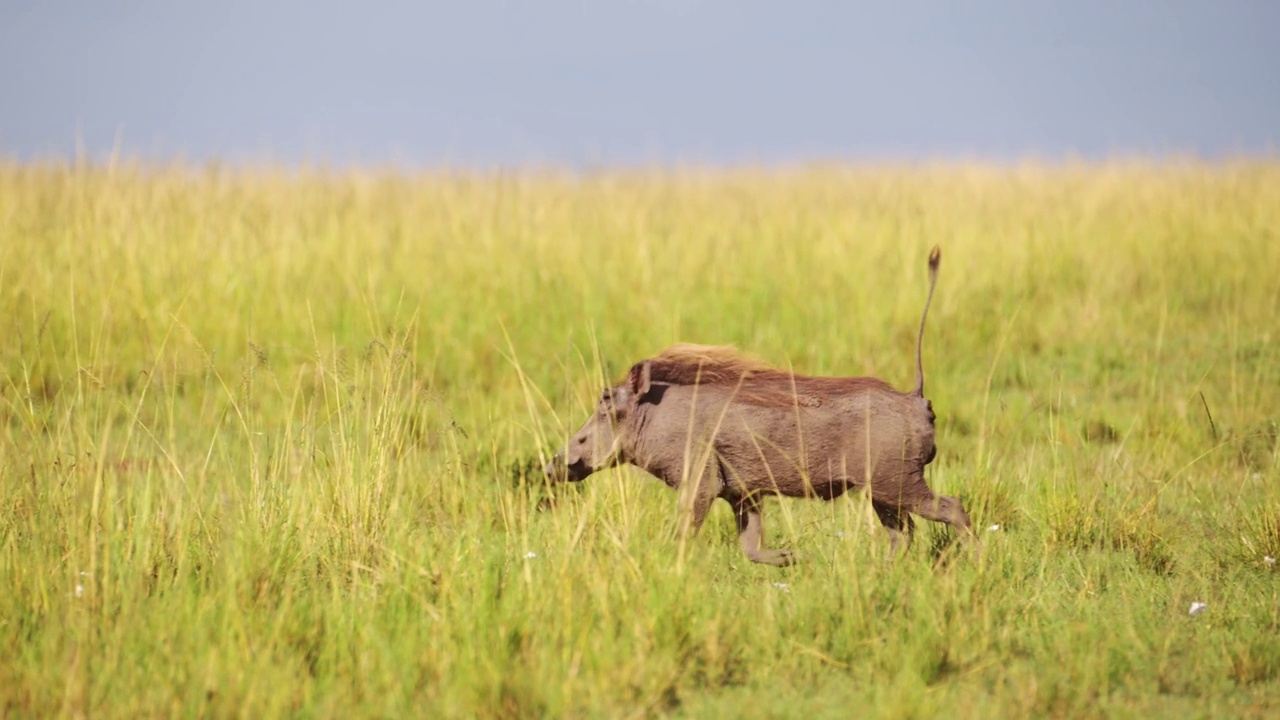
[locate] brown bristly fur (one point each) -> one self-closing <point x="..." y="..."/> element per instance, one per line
<point x="759" y="383"/>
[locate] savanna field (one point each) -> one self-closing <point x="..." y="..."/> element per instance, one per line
<point x="272" y="440"/>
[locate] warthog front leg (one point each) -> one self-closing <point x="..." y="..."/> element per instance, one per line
<point x="697" y="501"/>
<point x="751" y="534"/>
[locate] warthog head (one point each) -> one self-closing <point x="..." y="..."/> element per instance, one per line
<point x="601" y="443"/>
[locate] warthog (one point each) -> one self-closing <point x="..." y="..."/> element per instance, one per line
<point x="713" y="424"/>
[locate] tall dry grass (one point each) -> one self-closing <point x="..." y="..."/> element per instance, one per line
<point x="271" y="438"/>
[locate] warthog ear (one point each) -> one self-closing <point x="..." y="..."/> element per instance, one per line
<point x="638" y="379"/>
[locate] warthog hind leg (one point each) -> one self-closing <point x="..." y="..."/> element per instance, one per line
<point x="946" y="509"/>
<point x="899" y="524"/>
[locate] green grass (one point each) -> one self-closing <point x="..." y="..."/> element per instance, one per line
<point x="271" y="438"/>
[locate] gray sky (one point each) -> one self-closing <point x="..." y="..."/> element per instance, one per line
<point x="485" y="82"/>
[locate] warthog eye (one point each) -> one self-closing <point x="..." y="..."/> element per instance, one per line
<point x="606" y="399"/>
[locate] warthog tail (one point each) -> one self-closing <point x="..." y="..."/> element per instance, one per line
<point x="935" y="257"/>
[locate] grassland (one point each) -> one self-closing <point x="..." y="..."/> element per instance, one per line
<point x="270" y="442"/>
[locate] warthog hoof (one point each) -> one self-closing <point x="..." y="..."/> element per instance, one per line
<point x="776" y="558"/>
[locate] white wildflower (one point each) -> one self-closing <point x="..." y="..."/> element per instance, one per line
<point x="782" y="586"/>
<point x="1197" y="608"/>
<point x="994" y="528"/>
<point x="530" y="555"/>
<point x="1269" y="560"/>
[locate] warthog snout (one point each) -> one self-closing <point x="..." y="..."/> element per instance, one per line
<point x="559" y="470"/>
